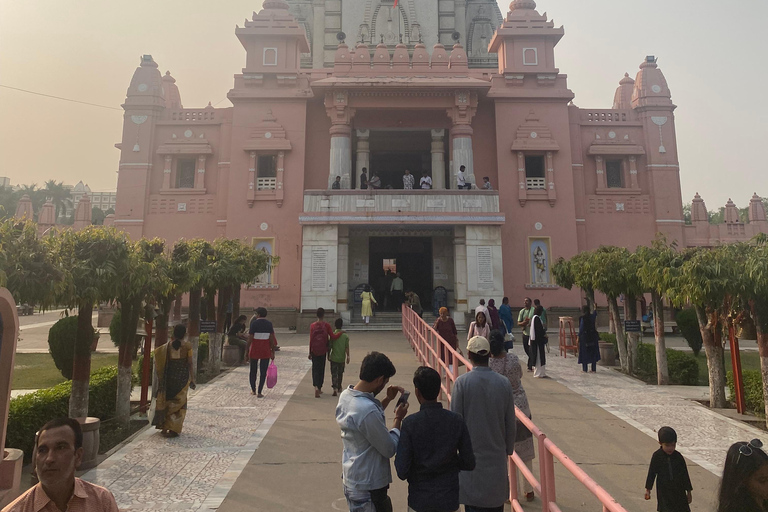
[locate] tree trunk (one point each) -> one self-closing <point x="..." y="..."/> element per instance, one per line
<point x="715" y="360"/>
<point x="177" y="309"/>
<point x="662" y="369"/>
<point x="210" y="304"/>
<point x="81" y="369"/>
<point x="589" y="293"/>
<point x="235" y="302"/>
<point x="633" y="338"/>
<point x="214" y="339"/>
<point x="613" y="309"/>
<point x="130" y="320"/>
<point x="762" y="347"/>
<point x="193" y="325"/>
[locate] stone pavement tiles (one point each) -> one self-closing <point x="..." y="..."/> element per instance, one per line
<point x="223" y="428"/>
<point x="703" y="435"/>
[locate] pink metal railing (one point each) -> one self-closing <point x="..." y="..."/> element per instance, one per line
<point x="427" y="344"/>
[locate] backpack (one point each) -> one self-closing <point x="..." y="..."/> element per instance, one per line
<point x="318" y="339"/>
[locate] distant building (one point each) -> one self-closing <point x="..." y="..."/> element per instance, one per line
<point x="102" y="200"/>
<point x="5" y="182"/>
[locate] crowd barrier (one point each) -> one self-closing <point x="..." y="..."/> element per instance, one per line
<point x="429" y="346"/>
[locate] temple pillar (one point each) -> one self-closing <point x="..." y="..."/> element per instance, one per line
<point x="200" y="174"/>
<point x="363" y="154"/>
<point x="633" y="173"/>
<point x="252" y="179"/>
<point x="438" y="160"/>
<point x="341" y="155"/>
<point x="460" y="272"/>
<point x="167" y="172"/>
<point x="462" y="150"/>
<point x="551" y="192"/>
<point x="600" y="167"/>
<point x="343" y="269"/>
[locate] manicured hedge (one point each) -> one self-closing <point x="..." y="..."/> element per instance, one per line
<point x="753" y="390"/>
<point x="62" y="341"/>
<point x="683" y="368"/>
<point x="689" y="328"/>
<point x="28" y="413"/>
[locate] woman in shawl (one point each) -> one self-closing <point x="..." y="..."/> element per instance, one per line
<point x="589" y="346"/>
<point x="173" y="376"/>
<point x="495" y="321"/>
<point x="368" y="301"/>
<point x="508" y="365"/>
<point x="536" y="354"/>
<point x="446" y="328"/>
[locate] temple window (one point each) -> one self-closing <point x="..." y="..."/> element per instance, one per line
<point x="535" y="178"/>
<point x="266" y="172"/>
<point x="185" y="173"/>
<point x="270" y="57"/>
<point x="614" y="173"/>
<point x="530" y="57"/>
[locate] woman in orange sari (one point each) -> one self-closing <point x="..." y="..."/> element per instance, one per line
<point x="173" y="378"/>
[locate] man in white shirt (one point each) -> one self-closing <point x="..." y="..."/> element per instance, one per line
<point x="426" y="181"/>
<point x="482" y="307"/>
<point x="396" y="290"/>
<point x="461" y="179"/>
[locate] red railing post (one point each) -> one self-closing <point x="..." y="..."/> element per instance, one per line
<point x="738" y="381"/>
<point x="512" y="470"/>
<point x="543" y="476"/>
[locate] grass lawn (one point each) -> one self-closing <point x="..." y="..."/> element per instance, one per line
<point x="749" y="361"/>
<point x="36" y="371"/>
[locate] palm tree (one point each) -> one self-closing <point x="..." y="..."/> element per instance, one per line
<point x="60" y="195"/>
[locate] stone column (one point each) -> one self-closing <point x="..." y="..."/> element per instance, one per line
<point x="167" y="172"/>
<point x="343" y="269"/>
<point x="460" y="270"/>
<point x="633" y="173"/>
<point x="252" y="179"/>
<point x="462" y="150"/>
<point x="438" y="160"/>
<point x="600" y="166"/>
<point x="318" y="33"/>
<point x="363" y="153"/>
<point x="341" y="155"/>
<point x="279" y="190"/>
<point x="200" y="174"/>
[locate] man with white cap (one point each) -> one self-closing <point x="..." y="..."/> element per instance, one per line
<point x="485" y="400"/>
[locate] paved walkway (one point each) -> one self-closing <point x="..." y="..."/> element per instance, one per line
<point x="282" y="452"/>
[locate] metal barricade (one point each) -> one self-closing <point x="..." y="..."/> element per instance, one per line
<point x="428" y="346"/>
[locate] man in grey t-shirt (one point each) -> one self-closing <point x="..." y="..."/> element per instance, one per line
<point x="486" y="401"/>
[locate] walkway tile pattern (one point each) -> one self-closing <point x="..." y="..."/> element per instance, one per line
<point x="703" y="435"/>
<point x="224" y="426"/>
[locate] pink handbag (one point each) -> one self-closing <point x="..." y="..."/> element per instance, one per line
<point x="271" y="375"/>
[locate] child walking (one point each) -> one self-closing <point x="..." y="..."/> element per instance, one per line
<point x="338" y="354"/>
<point x="673" y="485"/>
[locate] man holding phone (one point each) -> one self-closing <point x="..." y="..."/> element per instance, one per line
<point x="368" y="445"/>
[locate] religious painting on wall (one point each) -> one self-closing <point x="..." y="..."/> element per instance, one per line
<point x="266" y="245"/>
<point x="539" y="260"/>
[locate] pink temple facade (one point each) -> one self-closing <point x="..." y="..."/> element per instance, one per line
<point x="307" y="109"/>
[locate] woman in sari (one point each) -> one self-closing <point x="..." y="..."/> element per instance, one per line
<point x="494" y="319"/>
<point x="446" y="328"/>
<point x="173" y="377"/>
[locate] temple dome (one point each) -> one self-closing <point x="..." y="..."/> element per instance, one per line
<point x="522" y="4"/>
<point x="622" y="100"/>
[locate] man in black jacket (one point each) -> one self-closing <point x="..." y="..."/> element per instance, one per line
<point x="434" y="446"/>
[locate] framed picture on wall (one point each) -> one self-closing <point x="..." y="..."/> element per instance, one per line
<point x="539" y="261"/>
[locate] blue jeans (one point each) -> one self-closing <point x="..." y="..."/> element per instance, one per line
<point x="368" y="501"/>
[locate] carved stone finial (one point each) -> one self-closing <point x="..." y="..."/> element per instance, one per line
<point x="522" y="4"/>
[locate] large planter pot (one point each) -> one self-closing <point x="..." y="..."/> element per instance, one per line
<point x="231" y="356"/>
<point x="90" y="428"/>
<point x="607" y="354"/>
<point x="10" y="475"/>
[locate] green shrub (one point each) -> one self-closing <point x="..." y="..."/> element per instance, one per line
<point x="139" y="367"/>
<point x="61" y="343"/>
<point x="27" y="413"/>
<point x="753" y="390"/>
<point x="607" y="337"/>
<point x="683" y="368"/>
<point x="114" y="327"/>
<point x="202" y="351"/>
<point x="689" y="328"/>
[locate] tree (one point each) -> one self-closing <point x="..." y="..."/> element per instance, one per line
<point x="143" y="279"/>
<point x="706" y="280"/>
<point x="658" y="271"/>
<point x="92" y="261"/>
<point x="97" y="216"/>
<point x="577" y="271"/>
<point x="178" y="268"/>
<point x="756" y="270"/>
<point x="60" y="195"/>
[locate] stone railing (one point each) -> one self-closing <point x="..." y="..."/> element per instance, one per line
<point x="535" y="183"/>
<point x="189" y="115"/>
<point x="266" y="183"/>
<point x="607" y="116"/>
<point x="400" y="201"/>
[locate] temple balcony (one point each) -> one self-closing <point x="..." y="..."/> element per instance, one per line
<point x="592" y="117"/>
<point x="400" y="206"/>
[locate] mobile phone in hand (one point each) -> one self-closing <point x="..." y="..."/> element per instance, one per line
<point x="403" y="398"/>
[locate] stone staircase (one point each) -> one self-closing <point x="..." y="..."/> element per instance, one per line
<point x="383" y="321"/>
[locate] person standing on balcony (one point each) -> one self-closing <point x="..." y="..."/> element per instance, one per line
<point x="486" y="401"/>
<point x="461" y="179"/>
<point x="487" y="183"/>
<point x="434" y="447"/>
<point x="426" y="181"/>
<point x="408" y="180"/>
<point x="336" y="185"/>
<point x="364" y="179"/>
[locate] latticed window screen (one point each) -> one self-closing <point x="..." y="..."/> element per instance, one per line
<point x="613" y="173"/>
<point x="185" y="173"/>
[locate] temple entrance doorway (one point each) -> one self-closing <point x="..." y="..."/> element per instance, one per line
<point x="411" y="257"/>
<point x="394" y="151"/>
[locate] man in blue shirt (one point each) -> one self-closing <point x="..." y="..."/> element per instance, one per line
<point x="368" y="445"/>
<point x="434" y="446"/>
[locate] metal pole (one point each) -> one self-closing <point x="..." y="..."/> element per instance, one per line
<point x="738" y="381"/>
<point x="145" y="366"/>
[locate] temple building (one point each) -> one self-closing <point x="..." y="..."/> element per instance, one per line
<point x="334" y="87"/>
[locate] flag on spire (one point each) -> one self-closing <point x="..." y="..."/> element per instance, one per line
<point x="395" y="5"/>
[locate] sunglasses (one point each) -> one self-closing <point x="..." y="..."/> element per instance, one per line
<point x="748" y="449"/>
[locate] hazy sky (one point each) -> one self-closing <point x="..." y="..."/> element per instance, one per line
<point x="712" y="53"/>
